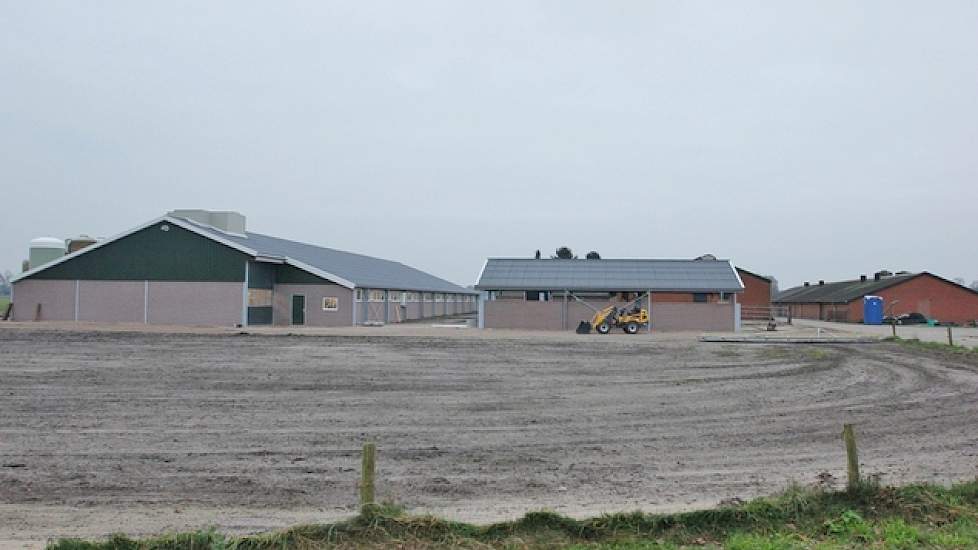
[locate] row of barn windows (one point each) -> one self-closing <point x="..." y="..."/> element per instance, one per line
<point x="398" y="296"/>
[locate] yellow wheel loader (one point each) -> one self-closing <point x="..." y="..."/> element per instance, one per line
<point x="610" y="317"/>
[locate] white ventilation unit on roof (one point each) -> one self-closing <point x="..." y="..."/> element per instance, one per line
<point x="224" y="220"/>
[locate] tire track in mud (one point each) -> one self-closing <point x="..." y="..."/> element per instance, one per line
<point x="475" y="426"/>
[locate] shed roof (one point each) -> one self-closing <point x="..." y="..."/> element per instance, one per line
<point x="839" y="292"/>
<point x="610" y="275"/>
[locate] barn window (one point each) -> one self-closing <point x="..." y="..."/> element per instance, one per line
<point x="700" y="297"/>
<point x="331" y="303"/>
<point x="259" y="297"/>
<point x="538" y="296"/>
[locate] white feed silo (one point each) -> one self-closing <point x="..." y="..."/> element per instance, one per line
<point x="44" y="250"/>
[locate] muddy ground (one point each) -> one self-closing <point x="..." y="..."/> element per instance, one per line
<point x="147" y="432"/>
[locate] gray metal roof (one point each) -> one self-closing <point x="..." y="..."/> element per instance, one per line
<point x="362" y="271"/>
<point x="610" y="275"/>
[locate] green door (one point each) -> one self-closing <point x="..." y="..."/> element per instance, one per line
<point x="298" y="309"/>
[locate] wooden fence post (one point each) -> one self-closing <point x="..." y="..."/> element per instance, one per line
<point x="950" y="338"/>
<point x="893" y="326"/>
<point x="852" y="454"/>
<point x="367" y="475"/>
<point x="37" y="313"/>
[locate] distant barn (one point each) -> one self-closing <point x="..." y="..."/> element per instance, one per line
<point x="925" y="293"/>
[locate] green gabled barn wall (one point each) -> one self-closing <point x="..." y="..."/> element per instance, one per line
<point x="152" y="254"/>
<point x="261" y="275"/>
<point x="286" y="274"/>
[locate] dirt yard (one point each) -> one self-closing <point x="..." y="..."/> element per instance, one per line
<point x="147" y="432"/>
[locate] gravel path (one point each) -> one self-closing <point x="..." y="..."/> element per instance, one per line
<point x="145" y="432"/>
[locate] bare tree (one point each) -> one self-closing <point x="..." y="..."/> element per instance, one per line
<point x="537" y="255"/>
<point x="959" y="280"/>
<point x="593" y="255"/>
<point x="974" y="285"/>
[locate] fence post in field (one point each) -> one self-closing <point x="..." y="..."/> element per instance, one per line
<point x="849" y="436"/>
<point x="893" y="326"/>
<point x="367" y="475"/>
<point x="950" y="338"/>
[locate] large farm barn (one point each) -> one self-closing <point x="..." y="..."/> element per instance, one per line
<point x="556" y="294"/>
<point x="197" y="267"/>
<point x="924" y="293"/>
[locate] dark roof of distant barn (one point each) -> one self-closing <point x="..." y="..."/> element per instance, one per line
<point x="362" y="271"/>
<point x="840" y="292"/>
<point x="609" y="275"/>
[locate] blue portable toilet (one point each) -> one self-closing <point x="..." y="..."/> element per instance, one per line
<point x="872" y="310"/>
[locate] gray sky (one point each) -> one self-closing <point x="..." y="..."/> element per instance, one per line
<point x="786" y="136"/>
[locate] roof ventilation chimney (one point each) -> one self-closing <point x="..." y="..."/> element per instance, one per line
<point x="807" y="283"/>
<point x="862" y="278"/>
<point x="821" y="283"/>
<point x="225" y="220"/>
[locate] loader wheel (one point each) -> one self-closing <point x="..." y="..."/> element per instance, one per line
<point x="603" y="328"/>
<point x="631" y="328"/>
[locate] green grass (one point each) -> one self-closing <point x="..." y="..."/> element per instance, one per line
<point x="4" y="301"/>
<point x="916" y="516"/>
<point x="933" y="346"/>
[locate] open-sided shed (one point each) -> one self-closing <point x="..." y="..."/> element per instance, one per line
<point x="556" y="294"/>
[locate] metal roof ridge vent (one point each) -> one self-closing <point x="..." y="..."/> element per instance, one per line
<point x="227" y="221"/>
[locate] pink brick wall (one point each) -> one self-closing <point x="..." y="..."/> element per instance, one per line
<point x="666" y="316"/>
<point x="195" y="303"/>
<point x="111" y="301"/>
<point x="57" y="299"/>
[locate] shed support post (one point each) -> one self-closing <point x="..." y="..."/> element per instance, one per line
<point x="244" y="298"/>
<point x="481" y="305"/>
<point x="649" y="298"/>
<point x="387" y="307"/>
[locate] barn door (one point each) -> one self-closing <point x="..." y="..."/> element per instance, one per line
<point x="298" y="309"/>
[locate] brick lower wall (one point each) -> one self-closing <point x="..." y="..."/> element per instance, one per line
<point x="666" y="316"/>
<point x="157" y="302"/>
<point x="716" y="317"/>
<point x="56" y="297"/>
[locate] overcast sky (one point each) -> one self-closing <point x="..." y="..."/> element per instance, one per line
<point x="807" y="140"/>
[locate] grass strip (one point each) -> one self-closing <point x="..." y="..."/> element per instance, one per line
<point x="914" y="516"/>
<point x="918" y="344"/>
